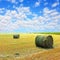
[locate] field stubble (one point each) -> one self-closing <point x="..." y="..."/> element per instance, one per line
<point x="26" y="48"/>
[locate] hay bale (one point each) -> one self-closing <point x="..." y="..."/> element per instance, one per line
<point x="15" y="36"/>
<point x="44" y="41"/>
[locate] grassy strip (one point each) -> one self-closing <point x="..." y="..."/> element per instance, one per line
<point x="57" y="33"/>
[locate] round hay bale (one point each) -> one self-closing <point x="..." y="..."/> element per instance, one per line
<point x="16" y="36"/>
<point x="44" y="41"/>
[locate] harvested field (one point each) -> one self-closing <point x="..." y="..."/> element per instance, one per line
<point x="53" y="54"/>
<point x="26" y="49"/>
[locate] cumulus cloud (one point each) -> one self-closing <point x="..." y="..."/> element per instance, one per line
<point x="2" y="10"/>
<point x="15" y="1"/>
<point x="55" y="4"/>
<point x="52" y="18"/>
<point x="19" y="18"/>
<point x="11" y="20"/>
<point x="37" y="3"/>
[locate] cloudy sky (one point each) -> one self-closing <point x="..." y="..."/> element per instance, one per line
<point x="29" y="16"/>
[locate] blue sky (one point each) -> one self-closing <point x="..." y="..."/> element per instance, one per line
<point x="29" y="16"/>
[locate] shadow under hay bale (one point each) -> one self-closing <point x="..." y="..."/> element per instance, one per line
<point x="16" y="36"/>
<point x="44" y="41"/>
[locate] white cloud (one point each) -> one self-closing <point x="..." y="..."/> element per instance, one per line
<point x="55" y="13"/>
<point x="18" y="19"/>
<point x="7" y="21"/>
<point x="2" y="10"/>
<point x="46" y="10"/>
<point x="55" y="4"/>
<point x="52" y="18"/>
<point x="51" y="13"/>
<point x="37" y="3"/>
<point x="13" y="1"/>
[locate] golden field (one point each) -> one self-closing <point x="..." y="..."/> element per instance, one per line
<point x="26" y="48"/>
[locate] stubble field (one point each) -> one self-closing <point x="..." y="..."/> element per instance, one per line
<point x="24" y="48"/>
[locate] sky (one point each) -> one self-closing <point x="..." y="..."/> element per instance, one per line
<point x="29" y="16"/>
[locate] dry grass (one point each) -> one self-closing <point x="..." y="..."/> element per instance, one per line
<point x="26" y="48"/>
<point x="53" y="54"/>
